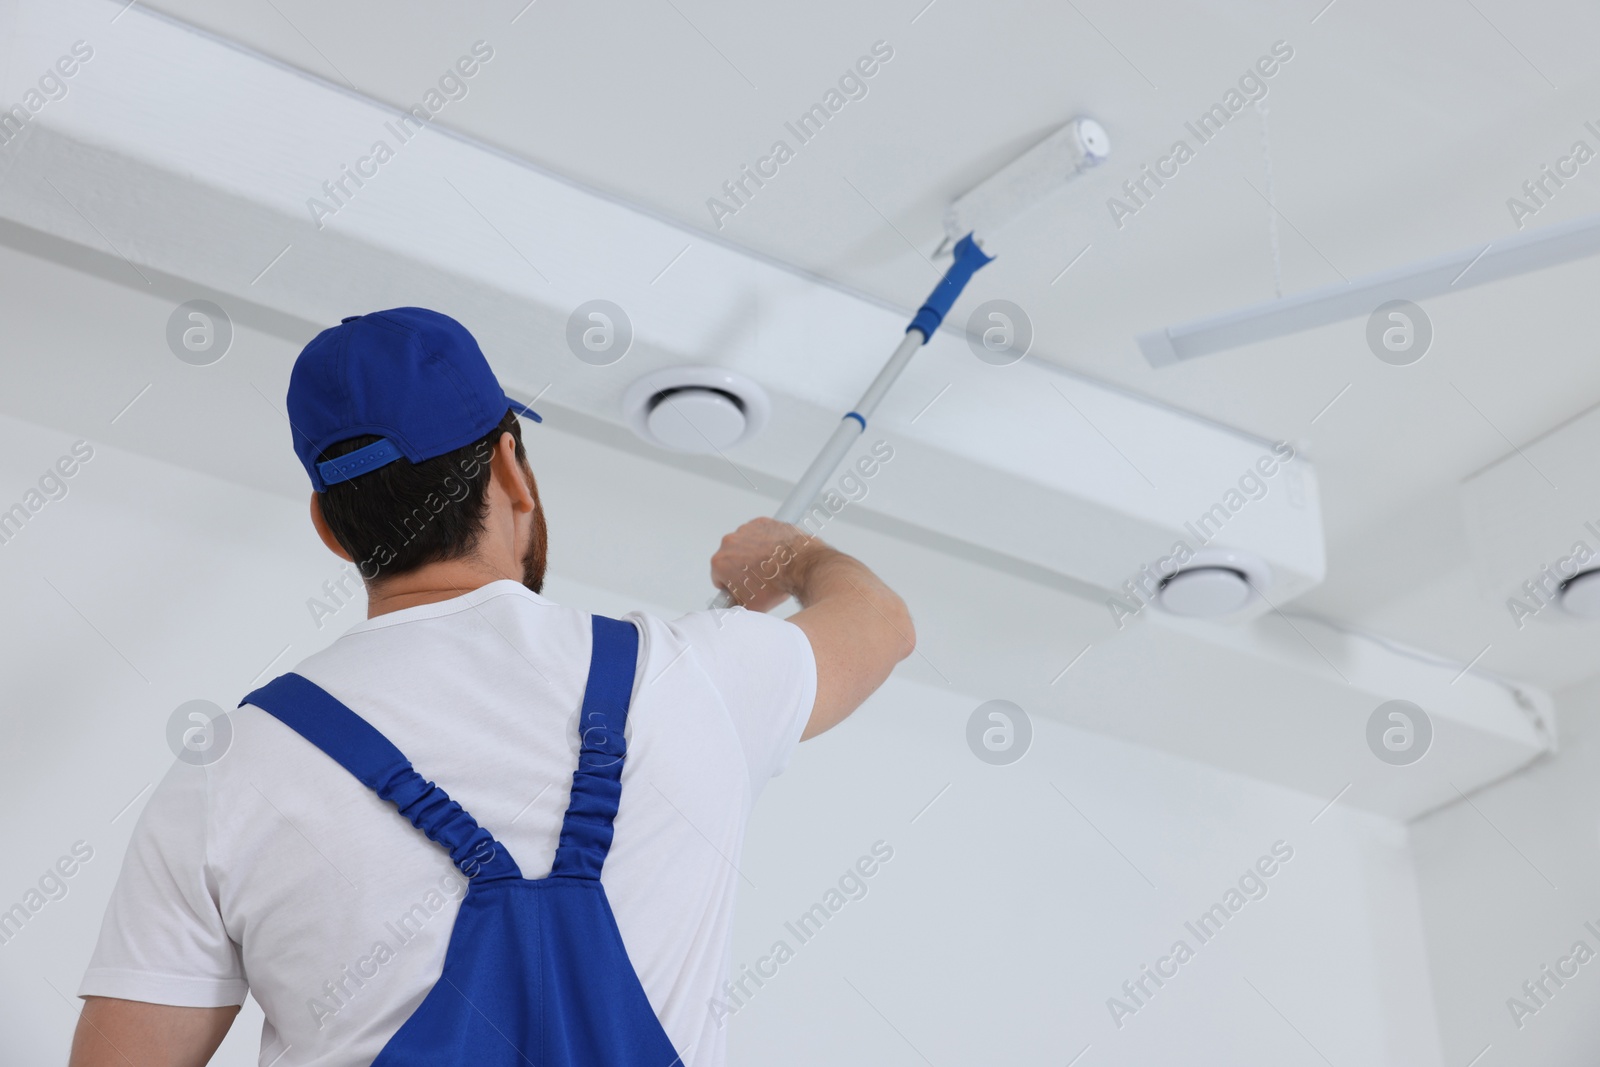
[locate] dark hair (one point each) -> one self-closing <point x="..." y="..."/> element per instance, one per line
<point x="404" y="515"/>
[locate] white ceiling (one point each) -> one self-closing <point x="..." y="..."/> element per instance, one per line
<point x="1397" y="131"/>
<point x="647" y="102"/>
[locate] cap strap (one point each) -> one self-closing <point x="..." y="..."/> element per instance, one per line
<point x="364" y="459"/>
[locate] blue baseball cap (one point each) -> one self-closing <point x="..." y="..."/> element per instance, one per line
<point x="413" y="377"/>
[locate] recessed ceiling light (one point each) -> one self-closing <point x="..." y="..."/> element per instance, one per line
<point x="695" y="409"/>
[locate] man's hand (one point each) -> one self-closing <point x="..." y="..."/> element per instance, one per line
<point x="858" y="628"/>
<point x="759" y="564"/>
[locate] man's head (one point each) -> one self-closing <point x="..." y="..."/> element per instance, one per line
<point x="414" y="450"/>
<point x="405" y="515"/>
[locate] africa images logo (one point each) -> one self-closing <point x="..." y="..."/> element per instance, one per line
<point x="852" y="85"/>
<point x="452" y="85"/>
<point x="1138" y="191"/>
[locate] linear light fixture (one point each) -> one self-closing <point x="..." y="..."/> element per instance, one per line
<point x="1478" y="265"/>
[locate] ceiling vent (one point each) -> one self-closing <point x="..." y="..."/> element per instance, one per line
<point x="1580" y="595"/>
<point x="695" y="409"/>
<point x="1214" y="584"/>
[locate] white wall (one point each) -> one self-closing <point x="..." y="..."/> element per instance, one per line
<point x="1507" y="883"/>
<point x="1013" y="907"/>
<point x="1009" y="915"/>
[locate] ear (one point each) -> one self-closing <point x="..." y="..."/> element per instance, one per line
<point x="509" y="475"/>
<point x="323" y="532"/>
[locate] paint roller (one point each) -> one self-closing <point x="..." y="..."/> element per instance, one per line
<point x="997" y="200"/>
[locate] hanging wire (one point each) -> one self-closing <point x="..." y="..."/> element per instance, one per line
<point x="1272" y="200"/>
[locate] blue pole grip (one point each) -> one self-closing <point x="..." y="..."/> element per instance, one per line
<point x="969" y="258"/>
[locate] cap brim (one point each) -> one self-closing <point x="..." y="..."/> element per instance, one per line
<point x="523" y="409"/>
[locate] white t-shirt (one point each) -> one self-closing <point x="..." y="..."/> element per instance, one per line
<point x="274" y="869"/>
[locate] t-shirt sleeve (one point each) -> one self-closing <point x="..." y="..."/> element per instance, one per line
<point x="767" y="674"/>
<point x="163" y="940"/>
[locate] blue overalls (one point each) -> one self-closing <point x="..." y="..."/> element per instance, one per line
<point x="536" y="972"/>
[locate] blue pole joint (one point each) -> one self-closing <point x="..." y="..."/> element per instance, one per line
<point x="969" y="258"/>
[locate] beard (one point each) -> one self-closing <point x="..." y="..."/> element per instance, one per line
<point x="534" y="556"/>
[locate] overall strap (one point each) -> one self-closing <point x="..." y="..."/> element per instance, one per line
<point x="357" y="746"/>
<point x="597" y="781"/>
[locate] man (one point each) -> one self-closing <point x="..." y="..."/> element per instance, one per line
<point x="276" y="869"/>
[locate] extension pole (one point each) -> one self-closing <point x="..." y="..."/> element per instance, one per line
<point x="968" y="259"/>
